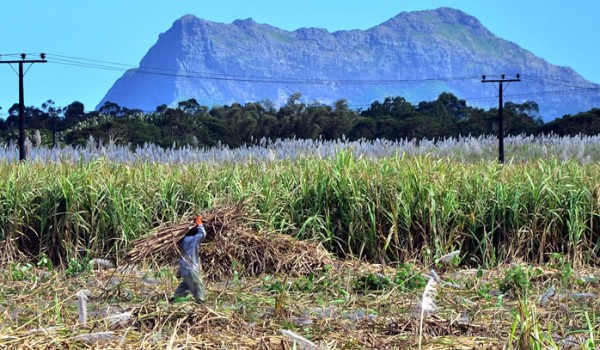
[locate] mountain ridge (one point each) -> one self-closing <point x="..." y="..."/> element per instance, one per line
<point x="246" y="61"/>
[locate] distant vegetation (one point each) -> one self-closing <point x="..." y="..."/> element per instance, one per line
<point x="192" y="124"/>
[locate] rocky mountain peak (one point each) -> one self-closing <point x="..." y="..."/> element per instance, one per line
<point x="248" y="22"/>
<point x="246" y="61"/>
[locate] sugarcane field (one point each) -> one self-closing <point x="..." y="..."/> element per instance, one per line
<point x="352" y="245"/>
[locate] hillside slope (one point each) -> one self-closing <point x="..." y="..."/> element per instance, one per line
<point x="416" y="55"/>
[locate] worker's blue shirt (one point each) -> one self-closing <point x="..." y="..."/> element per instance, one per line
<point x="189" y="246"/>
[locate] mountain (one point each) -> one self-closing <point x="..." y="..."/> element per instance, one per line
<point x="416" y="55"/>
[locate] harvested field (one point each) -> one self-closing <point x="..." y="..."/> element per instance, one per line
<point x="347" y="305"/>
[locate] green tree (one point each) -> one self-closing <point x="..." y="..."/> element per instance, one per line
<point x="363" y="128"/>
<point x="396" y="107"/>
<point x="53" y="114"/>
<point x="111" y="108"/>
<point x="191" y="106"/>
<point x="74" y="113"/>
<point x="521" y="118"/>
<point x="290" y="117"/>
<point x="585" y="123"/>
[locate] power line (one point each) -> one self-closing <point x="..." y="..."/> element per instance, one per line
<point x="111" y="66"/>
<point x="547" y="78"/>
<point x="555" y="92"/>
<point x="81" y="62"/>
<point x="85" y="66"/>
<point x="554" y="83"/>
<point x="106" y="65"/>
<point x="91" y="60"/>
<point x="541" y="93"/>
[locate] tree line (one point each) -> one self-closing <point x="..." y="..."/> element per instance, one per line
<point x="190" y="123"/>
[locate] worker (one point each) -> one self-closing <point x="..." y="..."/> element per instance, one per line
<point x="189" y="263"/>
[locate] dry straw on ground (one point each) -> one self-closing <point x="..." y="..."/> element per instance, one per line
<point x="40" y="312"/>
<point x="232" y="245"/>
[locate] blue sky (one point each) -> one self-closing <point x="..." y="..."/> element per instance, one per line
<point x="562" y="32"/>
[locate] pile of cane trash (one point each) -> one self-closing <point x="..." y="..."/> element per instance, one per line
<point x="231" y="244"/>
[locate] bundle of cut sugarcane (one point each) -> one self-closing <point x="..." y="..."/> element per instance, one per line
<point x="252" y="253"/>
<point x="232" y="244"/>
<point x="162" y="245"/>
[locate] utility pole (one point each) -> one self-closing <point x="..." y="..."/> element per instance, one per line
<point x="22" y="151"/>
<point x="500" y="107"/>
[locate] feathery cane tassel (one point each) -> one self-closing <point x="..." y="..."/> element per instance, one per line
<point x="82" y="298"/>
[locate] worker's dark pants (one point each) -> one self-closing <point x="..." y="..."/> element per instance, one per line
<point x="192" y="283"/>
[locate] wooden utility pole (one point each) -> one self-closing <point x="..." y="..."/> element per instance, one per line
<point x="500" y="107"/>
<point x="22" y="151"/>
